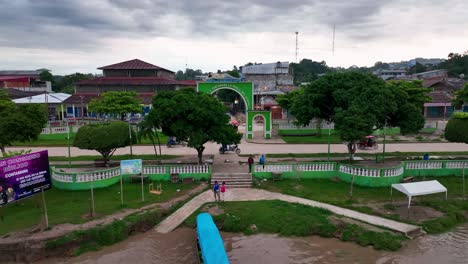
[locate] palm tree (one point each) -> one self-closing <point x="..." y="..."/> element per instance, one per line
<point x="149" y="131"/>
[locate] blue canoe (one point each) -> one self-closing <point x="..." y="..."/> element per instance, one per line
<point x="210" y="241"/>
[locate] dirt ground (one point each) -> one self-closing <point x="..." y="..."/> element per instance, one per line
<point x="416" y="213"/>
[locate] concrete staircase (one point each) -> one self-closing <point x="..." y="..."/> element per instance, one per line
<point x="233" y="180"/>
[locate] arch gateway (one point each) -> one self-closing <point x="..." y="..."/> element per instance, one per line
<point x="245" y="90"/>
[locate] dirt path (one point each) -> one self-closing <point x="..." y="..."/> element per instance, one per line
<point x="63" y="229"/>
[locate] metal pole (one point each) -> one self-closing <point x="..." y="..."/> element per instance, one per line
<point x="352" y="183"/>
<point x="142" y="188"/>
<point x="68" y="142"/>
<point x="121" y="190"/>
<point x="92" y="196"/>
<point x="130" y="133"/>
<point x="384" y="140"/>
<point x="463" y="180"/>
<point x="329" y="133"/>
<point x="46" y="218"/>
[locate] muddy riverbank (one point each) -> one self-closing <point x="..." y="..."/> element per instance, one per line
<point x="179" y="247"/>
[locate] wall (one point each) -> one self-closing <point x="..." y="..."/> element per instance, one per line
<point x="269" y="80"/>
<point x="367" y="177"/>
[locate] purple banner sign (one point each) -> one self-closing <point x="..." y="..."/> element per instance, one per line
<point x="23" y="176"/>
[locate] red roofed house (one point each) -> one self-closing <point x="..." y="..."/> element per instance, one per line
<point x="134" y="75"/>
<point x="25" y="81"/>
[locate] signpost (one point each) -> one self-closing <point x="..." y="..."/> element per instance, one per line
<point x="133" y="167"/>
<point x="24" y="176"/>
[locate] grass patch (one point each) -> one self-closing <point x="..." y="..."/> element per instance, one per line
<point x="455" y="214"/>
<point x="61" y="140"/>
<point x="388" y="154"/>
<point x="70" y="206"/>
<point x="114" y="157"/>
<point x="334" y="138"/>
<point x="290" y="219"/>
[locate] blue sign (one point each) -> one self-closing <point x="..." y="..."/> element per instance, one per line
<point x="131" y="166"/>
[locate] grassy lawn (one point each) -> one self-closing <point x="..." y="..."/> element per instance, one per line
<point x="334" y="138"/>
<point x="61" y="140"/>
<point x="71" y="206"/>
<point x="289" y="219"/>
<point x="114" y="157"/>
<point x="337" y="192"/>
<point x="388" y="154"/>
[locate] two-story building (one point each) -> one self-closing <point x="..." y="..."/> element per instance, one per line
<point x="142" y="77"/>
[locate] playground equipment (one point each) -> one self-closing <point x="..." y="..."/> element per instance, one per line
<point x="158" y="190"/>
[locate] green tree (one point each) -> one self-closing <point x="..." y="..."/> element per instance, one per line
<point x="116" y="103"/>
<point x="410" y="97"/>
<point x="417" y="68"/>
<point x="20" y="123"/>
<point x="461" y="97"/>
<point x="456" y="65"/>
<point x="456" y="128"/>
<point x="286" y="100"/>
<point x="193" y="117"/>
<point x="307" y="70"/>
<point x="149" y="130"/>
<point x="66" y="83"/>
<point x="5" y="102"/>
<point x="357" y="103"/>
<point x="45" y="75"/>
<point x="104" y="138"/>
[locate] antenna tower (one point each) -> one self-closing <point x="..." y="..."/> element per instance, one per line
<point x="297" y="43"/>
<point x="333" y="43"/>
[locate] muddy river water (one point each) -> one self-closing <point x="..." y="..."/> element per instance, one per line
<point x="179" y="247"/>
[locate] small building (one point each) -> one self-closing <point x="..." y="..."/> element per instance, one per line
<point x="269" y="80"/>
<point x="390" y="74"/>
<point x="442" y="94"/>
<point x="144" y="78"/>
<point x="26" y="81"/>
<point x="54" y="102"/>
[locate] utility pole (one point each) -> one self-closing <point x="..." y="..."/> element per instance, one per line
<point x="297" y="43"/>
<point x="333" y="43"/>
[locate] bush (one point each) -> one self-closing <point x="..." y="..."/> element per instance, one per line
<point x="456" y="128"/>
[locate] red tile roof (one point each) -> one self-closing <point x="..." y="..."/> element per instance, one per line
<point x="134" y="81"/>
<point x="440" y="97"/>
<point x="135" y="64"/>
<point x="145" y="98"/>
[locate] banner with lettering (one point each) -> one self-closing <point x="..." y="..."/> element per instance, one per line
<point x="23" y="176"/>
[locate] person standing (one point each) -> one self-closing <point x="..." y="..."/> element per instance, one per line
<point x="223" y="190"/>
<point x="262" y="160"/>
<point x="216" y="191"/>
<point x="250" y="161"/>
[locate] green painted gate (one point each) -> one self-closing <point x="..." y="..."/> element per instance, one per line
<point x="245" y="90"/>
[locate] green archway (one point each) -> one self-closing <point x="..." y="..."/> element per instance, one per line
<point x="245" y="90"/>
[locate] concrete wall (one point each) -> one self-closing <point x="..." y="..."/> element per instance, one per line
<point x="270" y="80"/>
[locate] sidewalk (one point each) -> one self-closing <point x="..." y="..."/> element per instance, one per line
<point x="178" y="217"/>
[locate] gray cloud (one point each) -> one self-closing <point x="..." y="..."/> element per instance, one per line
<point x="73" y="24"/>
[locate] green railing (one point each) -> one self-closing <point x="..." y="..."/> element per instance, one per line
<point x="363" y="176"/>
<point x="104" y="178"/>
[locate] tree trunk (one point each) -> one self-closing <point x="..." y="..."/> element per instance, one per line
<point x="200" y="154"/>
<point x="319" y="127"/>
<point x="351" y="149"/>
<point x="159" y="143"/>
<point x="2" y="148"/>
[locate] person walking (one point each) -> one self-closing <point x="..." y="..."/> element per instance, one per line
<point x="216" y="191"/>
<point x="223" y="190"/>
<point x="262" y="160"/>
<point x="250" y="161"/>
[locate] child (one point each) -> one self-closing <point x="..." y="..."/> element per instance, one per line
<point x="223" y="190"/>
<point x="216" y="191"/>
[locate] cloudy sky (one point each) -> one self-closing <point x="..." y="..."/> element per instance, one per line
<point x="70" y="36"/>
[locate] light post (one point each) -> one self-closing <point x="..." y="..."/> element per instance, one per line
<point x="329" y="133"/>
<point x="68" y="143"/>
<point x="384" y="140"/>
<point x="235" y="106"/>
<point x="130" y="135"/>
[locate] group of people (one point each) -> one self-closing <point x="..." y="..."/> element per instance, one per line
<point x="220" y="190"/>
<point x="261" y="161"/>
